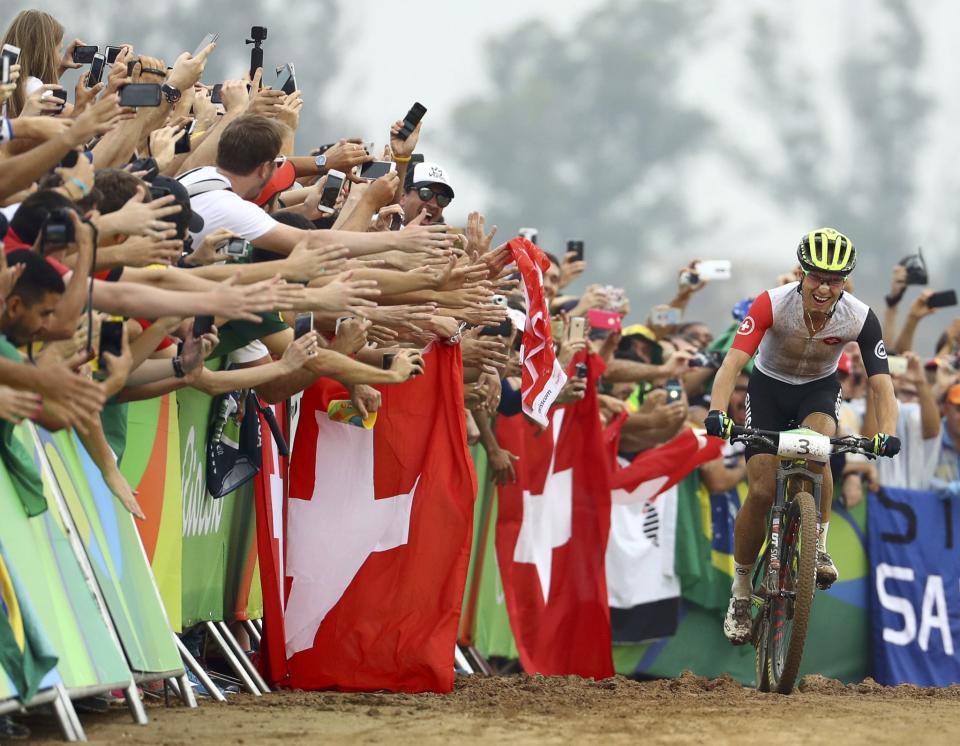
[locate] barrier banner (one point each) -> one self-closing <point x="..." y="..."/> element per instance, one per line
<point x="39" y="550"/>
<point x="25" y="652"/>
<point x="151" y="463"/>
<point x="838" y="636"/>
<point x="491" y="630"/>
<point x="915" y="593"/>
<point x="113" y="549"/>
<point x="219" y="544"/>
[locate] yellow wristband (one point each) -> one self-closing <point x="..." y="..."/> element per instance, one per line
<point x="401" y="159"/>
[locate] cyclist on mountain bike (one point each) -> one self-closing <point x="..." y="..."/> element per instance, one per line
<point x="799" y="329"/>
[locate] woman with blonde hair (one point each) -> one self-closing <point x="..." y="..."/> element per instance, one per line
<point x="39" y="36"/>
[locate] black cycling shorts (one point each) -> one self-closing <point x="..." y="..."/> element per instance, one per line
<point x="775" y="405"/>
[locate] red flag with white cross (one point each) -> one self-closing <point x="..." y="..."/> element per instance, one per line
<point x="552" y="529"/>
<point x="379" y="527"/>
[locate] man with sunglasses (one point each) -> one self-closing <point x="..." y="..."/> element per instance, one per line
<point x="427" y="189"/>
<point x="798" y="331"/>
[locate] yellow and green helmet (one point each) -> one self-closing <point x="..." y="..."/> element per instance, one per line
<point x="827" y="250"/>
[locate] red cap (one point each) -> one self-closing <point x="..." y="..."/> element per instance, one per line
<point x="843" y="366"/>
<point x="281" y="181"/>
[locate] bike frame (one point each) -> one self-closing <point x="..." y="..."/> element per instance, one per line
<point x="785" y="470"/>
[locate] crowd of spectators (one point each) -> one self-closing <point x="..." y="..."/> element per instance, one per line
<point x="161" y="216"/>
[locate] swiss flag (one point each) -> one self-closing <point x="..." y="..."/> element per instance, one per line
<point x="541" y="377"/>
<point x="656" y="469"/>
<point x="552" y="528"/>
<point x="378" y="537"/>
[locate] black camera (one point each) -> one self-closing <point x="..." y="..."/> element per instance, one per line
<point x="581" y="369"/>
<point x="259" y="34"/>
<point x="57" y="229"/>
<point x="707" y="359"/>
<point x="916" y="268"/>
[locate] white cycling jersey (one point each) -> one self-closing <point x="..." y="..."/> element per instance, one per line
<point x="775" y="329"/>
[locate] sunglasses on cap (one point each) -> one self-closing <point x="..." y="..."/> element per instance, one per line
<point x="426" y="193"/>
<point x="279" y="160"/>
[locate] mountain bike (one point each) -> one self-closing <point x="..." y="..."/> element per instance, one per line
<point x="785" y="579"/>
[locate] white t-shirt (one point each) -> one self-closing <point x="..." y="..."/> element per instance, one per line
<point x="913" y="467"/>
<point x="255" y="350"/>
<point x="223" y="208"/>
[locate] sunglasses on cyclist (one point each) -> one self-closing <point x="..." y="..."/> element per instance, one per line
<point x="426" y="193"/>
<point x="834" y="281"/>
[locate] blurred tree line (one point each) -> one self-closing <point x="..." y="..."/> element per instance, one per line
<point x="587" y="134"/>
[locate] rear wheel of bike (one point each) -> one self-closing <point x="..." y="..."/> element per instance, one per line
<point x="761" y="624"/>
<point x="790" y="610"/>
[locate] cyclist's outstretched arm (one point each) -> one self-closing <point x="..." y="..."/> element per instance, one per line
<point x="726" y="378"/>
<point x="885" y="402"/>
<point x="879" y="383"/>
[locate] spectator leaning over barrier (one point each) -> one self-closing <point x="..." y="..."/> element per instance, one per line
<point x="946" y="479"/>
<point x="248" y="155"/>
<point x="919" y="426"/>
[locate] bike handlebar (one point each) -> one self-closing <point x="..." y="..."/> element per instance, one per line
<point x="768" y="441"/>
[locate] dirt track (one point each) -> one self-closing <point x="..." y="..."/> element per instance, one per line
<point x="534" y="709"/>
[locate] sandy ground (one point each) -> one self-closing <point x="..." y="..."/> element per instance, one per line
<point x="539" y="710"/>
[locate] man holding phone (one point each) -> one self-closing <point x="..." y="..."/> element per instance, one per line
<point x="799" y="330"/>
<point x="428" y="189"/>
<point x="248" y="157"/>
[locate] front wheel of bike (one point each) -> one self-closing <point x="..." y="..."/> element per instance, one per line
<point x="790" y="607"/>
<point x="761" y="624"/>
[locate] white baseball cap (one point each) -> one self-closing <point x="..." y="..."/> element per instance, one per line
<point x="425" y="174"/>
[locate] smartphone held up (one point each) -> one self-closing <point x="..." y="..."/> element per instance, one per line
<point x="331" y="190"/>
<point x="411" y="120"/>
<point x="111" y="341"/>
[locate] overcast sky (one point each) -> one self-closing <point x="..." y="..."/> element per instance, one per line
<point x="439" y="62"/>
<point x="396" y="53"/>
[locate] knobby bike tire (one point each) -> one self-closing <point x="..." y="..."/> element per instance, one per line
<point x="761" y="626"/>
<point x="798" y="548"/>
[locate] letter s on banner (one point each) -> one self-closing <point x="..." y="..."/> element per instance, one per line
<point x="897" y="604"/>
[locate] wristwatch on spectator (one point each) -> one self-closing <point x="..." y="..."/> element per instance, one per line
<point x="171" y="93"/>
<point x="178" y="370"/>
<point x="321" y="163"/>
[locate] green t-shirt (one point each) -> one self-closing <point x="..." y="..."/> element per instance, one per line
<point x="23" y="472"/>
<point x="114" y="421"/>
<point x="237" y="334"/>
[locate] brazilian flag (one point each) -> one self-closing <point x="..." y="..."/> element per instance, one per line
<point x="25" y="654"/>
<point x="704" y="553"/>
